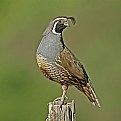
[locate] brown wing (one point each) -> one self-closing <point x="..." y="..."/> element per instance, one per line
<point x="72" y="64"/>
<point x="79" y="75"/>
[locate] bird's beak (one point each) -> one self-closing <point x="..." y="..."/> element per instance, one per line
<point x="66" y="23"/>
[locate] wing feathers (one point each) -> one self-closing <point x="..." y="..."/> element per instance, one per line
<point x="76" y="69"/>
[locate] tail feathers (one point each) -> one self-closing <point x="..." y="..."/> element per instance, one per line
<point x="96" y="103"/>
<point x="90" y="93"/>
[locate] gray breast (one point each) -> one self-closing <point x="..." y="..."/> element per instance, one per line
<point x="50" y="46"/>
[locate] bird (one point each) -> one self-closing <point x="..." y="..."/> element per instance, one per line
<point x="59" y="64"/>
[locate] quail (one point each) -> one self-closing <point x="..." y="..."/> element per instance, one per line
<point x="59" y="64"/>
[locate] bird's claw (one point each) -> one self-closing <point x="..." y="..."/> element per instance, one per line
<point x="66" y="97"/>
<point x="61" y="99"/>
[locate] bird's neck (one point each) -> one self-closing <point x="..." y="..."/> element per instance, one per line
<point x="51" y="46"/>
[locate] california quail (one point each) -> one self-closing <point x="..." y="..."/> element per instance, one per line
<point x="59" y="64"/>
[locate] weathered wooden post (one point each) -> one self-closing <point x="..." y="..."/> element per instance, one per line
<point x="61" y="112"/>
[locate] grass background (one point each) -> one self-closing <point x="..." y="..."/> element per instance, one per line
<point x="95" y="40"/>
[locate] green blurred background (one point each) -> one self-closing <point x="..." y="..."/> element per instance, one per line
<point x="95" y="40"/>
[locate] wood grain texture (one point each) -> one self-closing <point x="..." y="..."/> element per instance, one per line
<point x="64" y="112"/>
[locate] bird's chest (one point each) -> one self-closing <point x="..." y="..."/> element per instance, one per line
<point x="53" y="71"/>
<point x="50" y="46"/>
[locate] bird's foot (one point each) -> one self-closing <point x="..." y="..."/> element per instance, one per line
<point x="60" y="100"/>
<point x="66" y="97"/>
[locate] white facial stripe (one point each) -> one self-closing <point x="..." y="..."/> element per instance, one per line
<point x="59" y="19"/>
<point x="53" y="30"/>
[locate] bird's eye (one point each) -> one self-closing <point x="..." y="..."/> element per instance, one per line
<point x="59" y="21"/>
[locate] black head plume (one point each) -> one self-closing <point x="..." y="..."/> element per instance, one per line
<point x="73" y="20"/>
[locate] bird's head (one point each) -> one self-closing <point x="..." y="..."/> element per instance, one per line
<point x="58" y="24"/>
